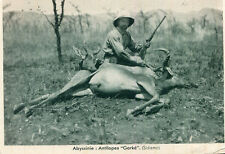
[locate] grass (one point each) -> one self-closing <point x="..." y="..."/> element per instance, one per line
<point x="31" y="69"/>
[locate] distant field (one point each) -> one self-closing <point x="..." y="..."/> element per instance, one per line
<point x="31" y="69"/>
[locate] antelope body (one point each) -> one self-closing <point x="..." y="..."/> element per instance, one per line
<point x="113" y="79"/>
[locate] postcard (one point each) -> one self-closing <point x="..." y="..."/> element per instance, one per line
<point x="112" y="76"/>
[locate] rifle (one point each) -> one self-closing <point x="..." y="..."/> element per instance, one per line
<point x="149" y="40"/>
<point x="151" y="37"/>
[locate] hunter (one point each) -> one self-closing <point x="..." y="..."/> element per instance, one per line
<point x="120" y="47"/>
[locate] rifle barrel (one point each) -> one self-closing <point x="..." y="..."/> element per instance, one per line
<point x="151" y="37"/>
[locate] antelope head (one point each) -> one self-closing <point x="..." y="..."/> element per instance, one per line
<point x="88" y="59"/>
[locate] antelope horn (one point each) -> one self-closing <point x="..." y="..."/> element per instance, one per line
<point x="85" y="49"/>
<point x="78" y="52"/>
<point x="166" y="51"/>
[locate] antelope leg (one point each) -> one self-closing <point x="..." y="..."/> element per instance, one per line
<point x="36" y="100"/>
<point x="153" y="109"/>
<point x="42" y="99"/>
<point x="83" y="93"/>
<point x="77" y="82"/>
<point x="143" y="96"/>
<point x="150" y="88"/>
<point x="21" y="106"/>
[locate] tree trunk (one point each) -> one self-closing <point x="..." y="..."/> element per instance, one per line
<point x="144" y="26"/>
<point x="58" y="41"/>
<point x="80" y="22"/>
<point x="87" y="21"/>
<point x="216" y="32"/>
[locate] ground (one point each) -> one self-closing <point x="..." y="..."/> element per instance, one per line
<point x="193" y="116"/>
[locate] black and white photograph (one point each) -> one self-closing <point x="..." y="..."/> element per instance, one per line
<point x="113" y="72"/>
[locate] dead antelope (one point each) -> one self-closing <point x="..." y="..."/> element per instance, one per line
<point x="113" y="79"/>
<point x="88" y="60"/>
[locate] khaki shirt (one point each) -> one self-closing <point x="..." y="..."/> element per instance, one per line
<point x="119" y="47"/>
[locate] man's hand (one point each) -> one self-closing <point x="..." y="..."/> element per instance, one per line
<point x="147" y="45"/>
<point x="139" y="61"/>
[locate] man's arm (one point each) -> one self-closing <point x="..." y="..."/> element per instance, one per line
<point x="135" y="47"/>
<point x="122" y="54"/>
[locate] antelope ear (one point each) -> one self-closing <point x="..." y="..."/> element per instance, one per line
<point x="97" y="51"/>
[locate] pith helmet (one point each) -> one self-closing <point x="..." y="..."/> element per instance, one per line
<point x="123" y="15"/>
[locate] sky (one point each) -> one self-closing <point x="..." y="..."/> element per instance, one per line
<point x="100" y="6"/>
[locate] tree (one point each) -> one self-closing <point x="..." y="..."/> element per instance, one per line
<point x="6" y="6"/>
<point x="87" y="20"/>
<point x="79" y="17"/>
<point x="58" y="18"/>
<point x="110" y="13"/>
<point x="177" y="27"/>
<point x="7" y="18"/>
<point x="213" y="23"/>
<point x="191" y="24"/>
<point x="217" y="26"/>
<point x="145" y="19"/>
<point x="204" y="21"/>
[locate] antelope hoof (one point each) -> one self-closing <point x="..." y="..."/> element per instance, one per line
<point x="190" y="85"/>
<point x="147" y="109"/>
<point x="18" y="108"/>
<point x="165" y="101"/>
<point x="28" y="112"/>
<point x="129" y="114"/>
<point x="153" y="109"/>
